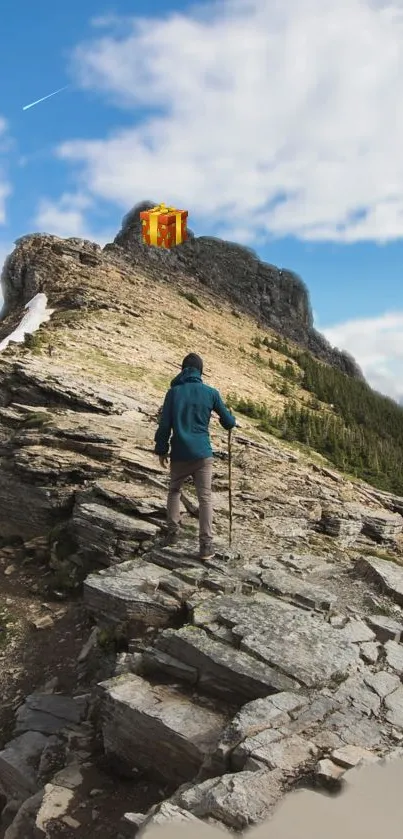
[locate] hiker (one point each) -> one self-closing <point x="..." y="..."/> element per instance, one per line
<point x="186" y="414"/>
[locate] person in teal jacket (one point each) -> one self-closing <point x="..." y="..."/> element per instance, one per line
<point x="183" y="438"/>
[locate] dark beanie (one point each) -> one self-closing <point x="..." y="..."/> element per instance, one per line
<point x="193" y="360"/>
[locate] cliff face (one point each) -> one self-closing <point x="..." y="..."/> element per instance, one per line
<point x="277" y="298"/>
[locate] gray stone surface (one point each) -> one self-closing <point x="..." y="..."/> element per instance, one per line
<point x="394" y="707"/>
<point x="255" y="717"/>
<point x="354" y="691"/>
<point x="19" y="762"/>
<point x="382" y="682"/>
<point x="157" y="729"/>
<point x="49" y="713"/>
<point x="386" y="574"/>
<point x="238" y="800"/>
<point x="275" y="579"/>
<point x="277" y="752"/>
<point x="223" y="670"/>
<point x="355" y="729"/>
<point x="385" y="628"/>
<point x="394" y="656"/>
<point x="132" y="592"/>
<point x="369" y="652"/>
<point x="286" y="638"/>
<point x="107" y="536"/>
<point x="382" y="526"/>
<point x="349" y="756"/>
<point x="357" y="632"/>
<point x="328" y="772"/>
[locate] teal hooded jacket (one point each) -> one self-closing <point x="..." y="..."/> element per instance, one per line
<point x="186" y="413"/>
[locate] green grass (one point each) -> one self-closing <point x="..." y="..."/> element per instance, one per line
<point x="36" y="420"/>
<point x="120" y="369"/>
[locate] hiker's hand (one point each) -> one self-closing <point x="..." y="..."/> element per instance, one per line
<point x="163" y="461"/>
<point x="238" y="424"/>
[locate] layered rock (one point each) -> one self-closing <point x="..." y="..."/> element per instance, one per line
<point x="277" y="297"/>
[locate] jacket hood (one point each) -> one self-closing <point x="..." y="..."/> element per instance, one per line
<point x="189" y="374"/>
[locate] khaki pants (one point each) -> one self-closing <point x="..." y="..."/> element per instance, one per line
<point x="201" y="471"/>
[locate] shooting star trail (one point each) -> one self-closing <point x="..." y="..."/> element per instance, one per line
<point x="37" y="101"/>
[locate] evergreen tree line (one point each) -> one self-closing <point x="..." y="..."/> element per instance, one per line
<point x="362" y="434"/>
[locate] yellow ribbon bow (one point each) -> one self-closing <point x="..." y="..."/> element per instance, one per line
<point x="162" y="209"/>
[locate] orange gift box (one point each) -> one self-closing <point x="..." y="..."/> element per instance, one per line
<point x="164" y="227"/>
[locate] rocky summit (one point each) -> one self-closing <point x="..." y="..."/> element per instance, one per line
<point x="140" y="687"/>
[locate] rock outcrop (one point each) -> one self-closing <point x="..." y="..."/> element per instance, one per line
<point x="277" y="297"/>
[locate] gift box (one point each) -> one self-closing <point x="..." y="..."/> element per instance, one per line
<point x="164" y="227"/>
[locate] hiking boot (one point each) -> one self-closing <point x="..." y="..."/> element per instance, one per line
<point x="170" y="538"/>
<point x="206" y="551"/>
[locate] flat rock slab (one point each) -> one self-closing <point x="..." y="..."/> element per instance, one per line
<point x="385" y="628"/>
<point x="222" y="670"/>
<point x="355" y="691"/>
<point x="106" y="535"/>
<point x="394" y="656"/>
<point x="349" y="756"/>
<point x="55" y="804"/>
<point x="387" y="575"/>
<point x="238" y="800"/>
<point x="394" y="707"/>
<point x="49" y="713"/>
<point x="355" y="729"/>
<point x="382" y="682"/>
<point x="357" y="632"/>
<point x="292" y="642"/>
<point x="19" y="762"/>
<point x="328" y="772"/>
<point x="303" y="563"/>
<point x="281" y="582"/>
<point x="157" y="729"/>
<point x="286" y="753"/>
<point x="132" y="592"/>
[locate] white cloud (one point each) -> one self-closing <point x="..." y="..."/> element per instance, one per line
<point x="283" y="118"/>
<point x="5" y="188"/>
<point x="377" y="344"/>
<point x="67" y="217"/>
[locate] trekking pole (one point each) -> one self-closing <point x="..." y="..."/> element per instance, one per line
<point x="230" y="485"/>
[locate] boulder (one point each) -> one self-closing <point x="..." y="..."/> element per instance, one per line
<point x="223" y="671"/>
<point x="294" y="643"/>
<point x="106" y="535"/>
<point x="132" y="592"/>
<point x="49" y="713"/>
<point x="386" y="574"/>
<point x="157" y="729"/>
<point x="19" y="762"/>
<point x="238" y="800"/>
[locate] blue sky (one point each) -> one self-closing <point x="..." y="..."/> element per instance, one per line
<point x="243" y="112"/>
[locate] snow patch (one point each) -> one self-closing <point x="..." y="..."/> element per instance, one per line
<point x="37" y="313"/>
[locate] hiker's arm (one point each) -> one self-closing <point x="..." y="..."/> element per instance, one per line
<point x="227" y="420"/>
<point x="164" y="429"/>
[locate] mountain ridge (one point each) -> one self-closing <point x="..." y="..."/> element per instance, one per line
<point x="277" y="298"/>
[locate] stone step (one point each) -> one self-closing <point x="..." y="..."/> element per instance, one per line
<point x="293" y="643"/>
<point x="217" y="668"/>
<point x="136" y="592"/>
<point x="157" y="729"/>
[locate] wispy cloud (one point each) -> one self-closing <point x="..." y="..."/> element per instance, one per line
<point x="282" y="114"/>
<point x="377" y="344"/>
<point x="68" y="217"/>
<point x="5" y="187"/>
